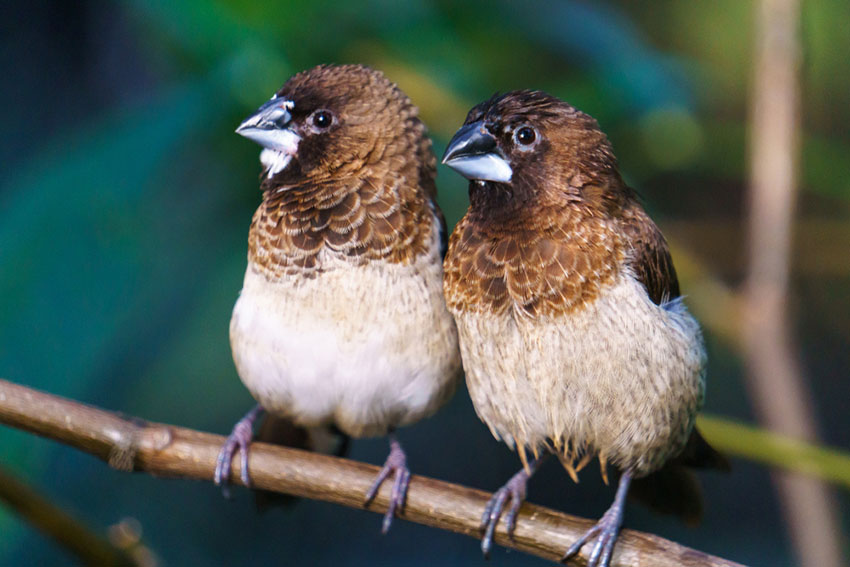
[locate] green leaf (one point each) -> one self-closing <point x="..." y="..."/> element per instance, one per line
<point x="776" y="450"/>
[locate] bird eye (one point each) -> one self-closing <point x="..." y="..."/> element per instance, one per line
<point x="525" y="136"/>
<point x="322" y="119"/>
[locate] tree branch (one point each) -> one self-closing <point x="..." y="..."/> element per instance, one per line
<point x="91" y="549"/>
<point x="131" y="444"/>
<point x="775" y="378"/>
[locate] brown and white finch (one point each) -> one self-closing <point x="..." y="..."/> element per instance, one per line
<point x="341" y="320"/>
<point x="573" y="336"/>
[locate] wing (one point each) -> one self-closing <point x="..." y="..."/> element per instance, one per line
<point x="673" y="489"/>
<point x="651" y="260"/>
<point x="427" y="173"/>
<point x="444" y="232"/>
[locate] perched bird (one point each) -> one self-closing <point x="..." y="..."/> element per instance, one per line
<point x="341" y="320"/>
<point x="574" y="339"/>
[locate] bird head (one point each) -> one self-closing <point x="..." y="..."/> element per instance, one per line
<point x="527" y="142"/>
<point x="326" y="123"/>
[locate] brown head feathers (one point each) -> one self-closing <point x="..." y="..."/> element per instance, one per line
<point x="360" y="183"/>
<point x="549" y="240"/>
<point x="568" y="141"/>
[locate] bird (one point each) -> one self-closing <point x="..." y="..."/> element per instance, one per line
<point x="341" y="321"/>
<point x="574" y="337"/>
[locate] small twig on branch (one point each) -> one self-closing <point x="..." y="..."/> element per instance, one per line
<point x="91" y="548"/>
<point x="167" y="450"/>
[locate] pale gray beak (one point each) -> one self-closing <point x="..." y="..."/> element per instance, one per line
<point x="269" y="127"/>
<point x="474" y="153"/>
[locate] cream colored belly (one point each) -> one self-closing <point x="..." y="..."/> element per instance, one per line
<point x="366" y="348"/>
<point x="623" y="377"/>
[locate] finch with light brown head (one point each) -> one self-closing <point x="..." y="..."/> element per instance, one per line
<point x="574" y="339"/>
<point x="341" y="319"/>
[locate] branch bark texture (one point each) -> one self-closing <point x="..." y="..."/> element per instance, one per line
<point x="131" y="444"/>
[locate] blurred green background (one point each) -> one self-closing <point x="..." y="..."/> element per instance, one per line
<point x="125" y="201"/>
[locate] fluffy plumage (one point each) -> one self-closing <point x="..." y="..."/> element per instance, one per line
<point x="341" y="319"/>
<point x="573" y="336"/>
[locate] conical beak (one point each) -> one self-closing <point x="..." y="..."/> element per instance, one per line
<point x="474" y="153"/>
<point x="270" y="127"/>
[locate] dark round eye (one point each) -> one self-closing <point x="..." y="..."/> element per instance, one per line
<point x="525" y="135"/>
<point x="323" y="119"/>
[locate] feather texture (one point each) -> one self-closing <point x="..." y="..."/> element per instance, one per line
<point x="341" y="319"/>
<point x="573" y="335"/>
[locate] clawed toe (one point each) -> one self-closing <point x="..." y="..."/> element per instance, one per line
<point x="605" y="531"/>
<point x="239" y="438"/>
<point x="493" y="513"/>
<point x="396" y="463"/>
<point x="515" y="490"/>
<point x="606" y="536"/>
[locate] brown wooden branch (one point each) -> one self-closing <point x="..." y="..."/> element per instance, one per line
<point x="90" y="548"/>
<point x="165" y="450"/>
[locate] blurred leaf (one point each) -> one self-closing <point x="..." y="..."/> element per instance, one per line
<point x="776" y="450"/>
<point x="825" y="163"/>
<point x="600" y="39"/>
<point x="207" y="30"/>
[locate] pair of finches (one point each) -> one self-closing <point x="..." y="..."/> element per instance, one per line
<point x="557" y="293"/>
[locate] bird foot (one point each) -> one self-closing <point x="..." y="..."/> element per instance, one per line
<point x="396" y="463"/>
<point x="239" y="438"/>
<point x="605" y="531"/>
<point x="515" y="489"/>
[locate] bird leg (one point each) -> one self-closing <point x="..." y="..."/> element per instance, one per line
<point x="605" y="531"/>
<point x="396" y="463"/>
<point x="239" y="438"/>
<point x="515" y="489"/>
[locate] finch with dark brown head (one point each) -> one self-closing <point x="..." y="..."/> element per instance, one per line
<point x="573" y="336"/>
<point x="341" y="319"/>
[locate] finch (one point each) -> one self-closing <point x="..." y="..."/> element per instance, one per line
<point x="341" y="320"/>
<point x="574" y="338"/>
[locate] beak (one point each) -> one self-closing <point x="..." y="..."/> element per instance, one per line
<point x="474" y="153"/>
<point x="269" y="127"/>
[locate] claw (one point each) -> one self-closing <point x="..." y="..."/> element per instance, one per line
<point x="605" y="531"/>
<point x="396" y="463"/>
<point x="515" y="489"/>
<point x="239" y="438"/>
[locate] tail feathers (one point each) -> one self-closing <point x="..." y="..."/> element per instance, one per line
<point x="700" y="455"/>
<point x="675" y="489"/>
<point x="282" y="431"/>
<point x="672" y="490"/>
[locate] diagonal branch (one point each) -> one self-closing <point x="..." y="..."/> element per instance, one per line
<point x="88" y="546"/>
<point x="133" y="445"/>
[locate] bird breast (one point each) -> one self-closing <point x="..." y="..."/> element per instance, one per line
<point x="620" y="376"/>
<point x="367" y="346"/>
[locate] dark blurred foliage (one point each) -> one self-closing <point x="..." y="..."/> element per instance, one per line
<point x="125" y="200"/>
